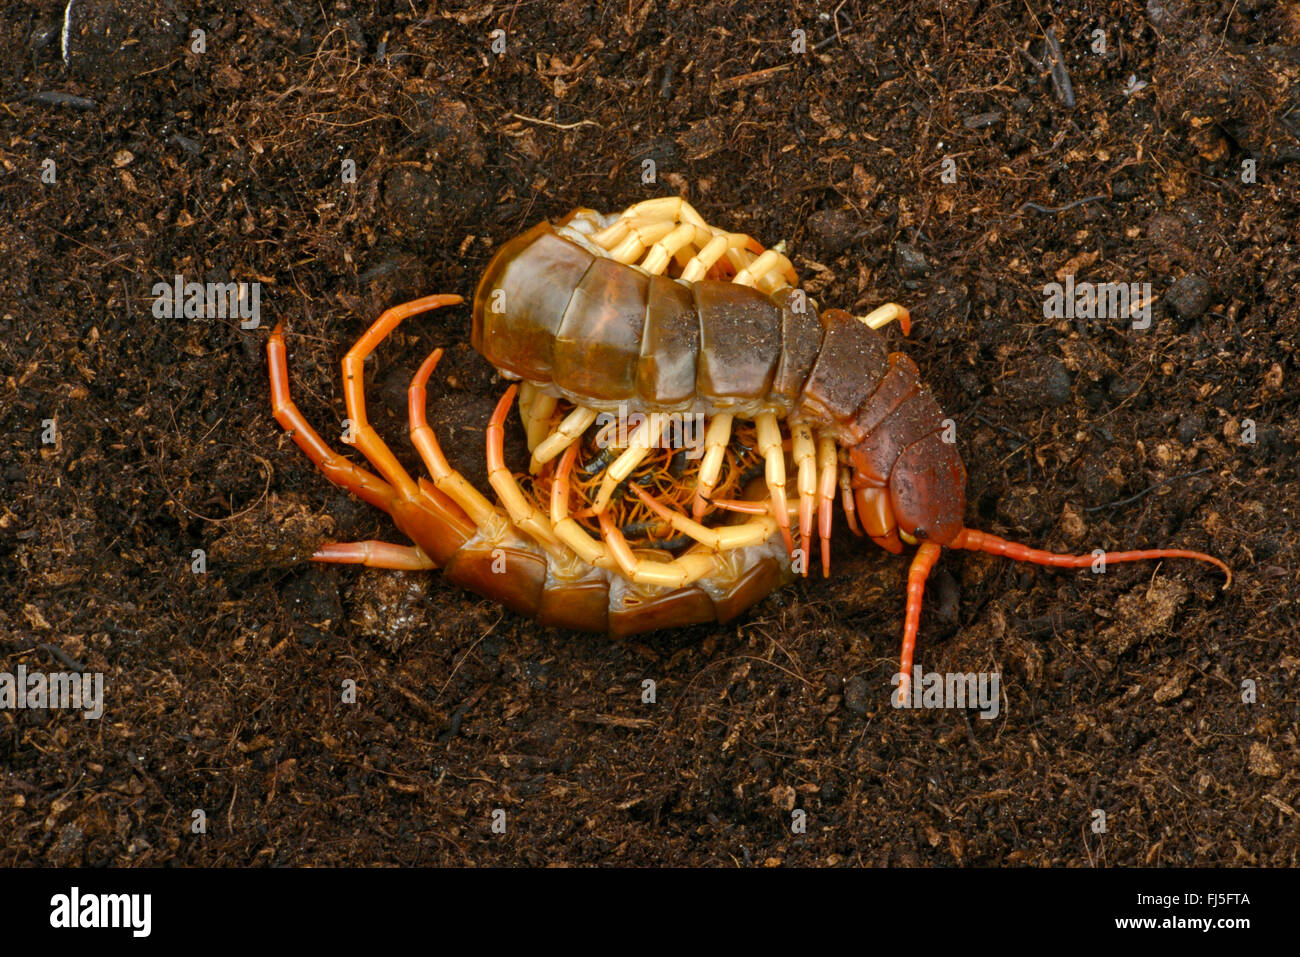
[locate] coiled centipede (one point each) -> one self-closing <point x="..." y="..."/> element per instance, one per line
<point x="655" y="311"/>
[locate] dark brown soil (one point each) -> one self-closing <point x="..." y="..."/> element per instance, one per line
<point x="1123" y="691"/>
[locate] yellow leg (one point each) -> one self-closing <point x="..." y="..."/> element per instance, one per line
<point x="769" y="446"/>
<point x="722" y="539"/>
<point x="522" y="513"/>
<point x="882" y="316"/>
<point x="614" y="552"/>
<point x="537" y="423"/>
<point x="715" y="447"/>
<point x="666" y="208"/>
<point x="685" y="236"/>
<point x="761" y="268"/>
<point x="805" y="460"/>
<point x="670" y="228"/>
<point x="574" y="424"/>
<point x="640" y="235"/>
<point x="828" y="466"/>
<point x="645" y="437"/>
<point x="707" y="257"/>
<point x="678" y="573"/>
<point x="527" y="393"/>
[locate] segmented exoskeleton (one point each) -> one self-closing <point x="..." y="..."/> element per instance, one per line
<point x="655" y="311"/>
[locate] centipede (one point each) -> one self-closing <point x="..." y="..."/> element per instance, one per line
<point x="653" y="313"/>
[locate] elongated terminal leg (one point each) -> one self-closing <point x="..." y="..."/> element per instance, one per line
<point x="424" y="513"/>
<point x="366" y="439"/>
<point x="361" y="483"/>
<point x="409" y="558"/>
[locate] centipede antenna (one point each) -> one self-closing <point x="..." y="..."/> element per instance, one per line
<point x="974" y="541"/>
<point x="922" y="563"/>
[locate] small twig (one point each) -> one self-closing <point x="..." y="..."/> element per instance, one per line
<point x="65" y="658"/>
<point x="829" y="40"/>
<point x="466" y="655"/>
<point x="749" y="79"/>
<point x="558" y="126"/>
<point x="1037" y="64"/>
<point x="55" y="98"/>
<point x="1003" y="428"/>
<point x="1151" y="488"/>
<point x="458" y="716"/>
<point x="613" y="720"/>
<point x="162" y="479"/>
<point x="1060" y="209"/>
<point x="1060" y="76"/>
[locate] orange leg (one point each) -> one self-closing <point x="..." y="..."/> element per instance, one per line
<point x="807" y="508"/>
<point x="447" y="481"/>
<point x="560" y="487"/>
<point x="376" y="555"/>
<point x="496" y="431"/>
<point x="523" y="513"/>
<point x="825" y="504"/>
<point x="917" y="574"/>
<point x="781" y="512"/>
<point x="337" y="469"/>
<point x="422" y="512"/>
<point x="735" y="505"/>
<point x="983" y="542"/>
<point x="417" y="402"/>
<point x="367" y="440"/>
<point x="850" y="510"/>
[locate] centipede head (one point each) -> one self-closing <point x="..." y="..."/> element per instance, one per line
<point x="922" y="498"/>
